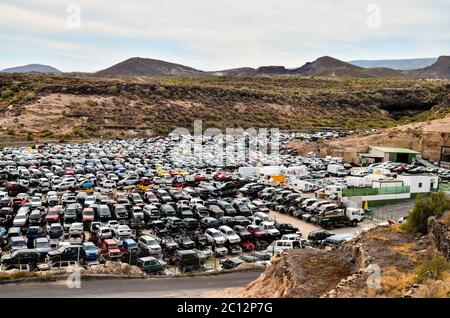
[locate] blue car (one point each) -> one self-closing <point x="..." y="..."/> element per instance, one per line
<point x="87" y="184"/>
<point x="90" y="251"/>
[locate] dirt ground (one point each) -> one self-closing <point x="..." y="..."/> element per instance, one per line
<point x="305" y="227"/>
<point x="425" y="137"/>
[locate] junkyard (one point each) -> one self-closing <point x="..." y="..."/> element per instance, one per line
<point x="154" y="205"/>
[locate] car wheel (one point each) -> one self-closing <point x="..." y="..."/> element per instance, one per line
<point x="354" y="223"/>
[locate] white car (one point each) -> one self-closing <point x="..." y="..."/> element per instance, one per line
<point x="113" y="225"/>
<point x="220" y="250"/>
<point x="291" y="237"/>
<point x="215" y="237"/>
<point x="104" y="232"/>
<point x="282" y="245"/>
<point x="270" y="228"/>
<point x="35" y="202"/>
<point x="76" y="229"/>
<point x="122" y="230"/>
<point x="230" y="234"/>
<point x="149" y="244"/>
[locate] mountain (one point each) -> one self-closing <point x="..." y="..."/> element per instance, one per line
<point x="138" y="66"/>
<point x="241" y="71"/>
<point x="32" y="68"/>
<point x="329" y="66"/>
<point x="399" y="64"/>
<point x="440" y="69"/>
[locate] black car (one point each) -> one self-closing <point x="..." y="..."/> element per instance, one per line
<point x="66" y="253"/>
<point x="227" y="220"/>
<point x="242" y="209"/>
<point x="167" y="210"/>
<point x="34" y="232"/>
<point x="187" y="260"/>
<point x="286" y="228"/>
<point x="231" y="263"/>
<point x="242" y="232"/>
<point x="319" y="235"/>
<point x="215" y="211"/>
<point x="190" y="224"/>
<point x="227" y="208"/>
<point x="25" y="256"/>
<point x="55" y="231"/>
<point x="209" y="222"/>
<point x="185" y="242"/>
<point x="241" y="220"/>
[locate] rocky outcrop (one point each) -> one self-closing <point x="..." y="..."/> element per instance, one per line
<point x="440" y="235"/>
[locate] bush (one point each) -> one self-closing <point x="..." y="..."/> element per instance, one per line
<point x="112" y="90"/>
<point x="432" y="268"/>
<point x="6" y="93"/>
<point x="434" y="204"/>
<point x="30" y="137"/>
<point x="10" y="132"/>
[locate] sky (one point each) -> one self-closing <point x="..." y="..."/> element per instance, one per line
<point x="90" y="35"/>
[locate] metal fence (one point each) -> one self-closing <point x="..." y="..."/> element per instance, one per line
<point x="374" y="191"/>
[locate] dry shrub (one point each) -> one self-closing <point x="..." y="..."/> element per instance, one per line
<point x="405" y="249"/>
<point x="395" y="283"/>
<point x="446" y="218"/>
<point x="435" y="288"/>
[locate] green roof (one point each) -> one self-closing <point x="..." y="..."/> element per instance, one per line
<point x="395" y="150"/>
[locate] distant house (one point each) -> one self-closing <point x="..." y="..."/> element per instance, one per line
<point x="381" y="154"/>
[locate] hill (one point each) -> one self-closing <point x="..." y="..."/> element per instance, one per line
<point x="397" y="64"/>
<point x="329" y="66"/>
<point x="438" y="70"/>
<point x="32" y="68"/>
<point x="81" y="106"/>
<point x="138" y="66"/>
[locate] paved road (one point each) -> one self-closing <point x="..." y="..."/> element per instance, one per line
<point x="136" y="288"/>
<point x="393" y="211"/>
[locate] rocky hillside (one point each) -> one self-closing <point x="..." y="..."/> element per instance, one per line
<point x="329" y="66"/>
<point x="37" y="106"/>
<point x="138" y="66"/>
<point x="426" y="137"/>
<point x="440" y="69"/>
<point x="383" y="262"/>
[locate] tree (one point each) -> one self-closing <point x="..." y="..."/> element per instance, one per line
<point x="434" y="204"/>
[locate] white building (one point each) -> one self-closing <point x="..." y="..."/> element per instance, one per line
<point x="420" y="183"/>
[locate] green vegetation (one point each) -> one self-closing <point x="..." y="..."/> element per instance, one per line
<point x="427" y="205"/>
<point x="432" y="268"/>
<point x="6" y="93"/>
<point x="30" y="137"/>
<point x="110" y="106"/>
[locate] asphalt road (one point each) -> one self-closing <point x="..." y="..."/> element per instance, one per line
<point x="131" y="288"/>
<point x="393" y="211"/>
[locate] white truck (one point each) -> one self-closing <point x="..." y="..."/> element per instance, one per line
<point x="346" y="217"/>
<point x="337" y="169"/>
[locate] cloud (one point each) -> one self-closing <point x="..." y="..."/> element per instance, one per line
<point x="230" y="33"/>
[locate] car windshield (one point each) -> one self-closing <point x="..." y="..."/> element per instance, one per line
<point x="43" y="244"/>
<point x="88" y="212"/>
<point x="112" y="245"/>
<point x="215" y="234"/>
<point x="90" y="247"/>
<point x="271" y="227"/>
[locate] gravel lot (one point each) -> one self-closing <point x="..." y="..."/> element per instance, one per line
<point x="306" y="227"/>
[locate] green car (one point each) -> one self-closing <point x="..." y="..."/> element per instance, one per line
<point x="151" y="265"/>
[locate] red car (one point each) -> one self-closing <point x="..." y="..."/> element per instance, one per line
<point x="247" y="246"/>
<point x="256" y="231"/>
<point x="221" y="176"/>
<point x="53" y="215"/>
<point x="88" y="215"/>
<point x="200" y="177"/>
<point x="69" y="171"/>
<point x="110" y="247"/>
